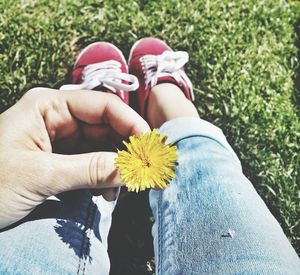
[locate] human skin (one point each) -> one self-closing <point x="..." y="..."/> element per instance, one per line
<point x="45" y="123"/>
<point x="167" y="102"/>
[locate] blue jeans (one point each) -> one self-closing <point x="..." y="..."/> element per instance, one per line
<point x="210" y="220"/>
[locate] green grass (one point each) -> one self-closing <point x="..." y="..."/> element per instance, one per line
<point x="244" y="63"/>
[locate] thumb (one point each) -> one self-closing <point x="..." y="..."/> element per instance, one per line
<point x="92" y="170"/>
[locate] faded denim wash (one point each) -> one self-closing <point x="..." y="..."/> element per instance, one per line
<point x="210" y="220"/>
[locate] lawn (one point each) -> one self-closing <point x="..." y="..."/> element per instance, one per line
<point x="244" y="63"/>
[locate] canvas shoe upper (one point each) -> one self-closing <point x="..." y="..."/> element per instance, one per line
<point x="102" y="66"/>
<point x="153" y="62"/>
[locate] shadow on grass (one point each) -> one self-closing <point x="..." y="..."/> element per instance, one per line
<point x="130" y="239"/>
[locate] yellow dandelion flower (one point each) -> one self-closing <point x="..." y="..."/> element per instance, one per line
<point x="148" y="162"/>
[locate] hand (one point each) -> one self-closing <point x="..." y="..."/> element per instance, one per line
<point x="45" y="121"/>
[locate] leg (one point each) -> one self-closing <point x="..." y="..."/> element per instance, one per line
<point x="210" y="220"/>
<point x="65" y="235"/>
<point x="178" y="106"/>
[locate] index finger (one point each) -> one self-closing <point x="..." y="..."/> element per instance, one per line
<point x="95" y="107"/>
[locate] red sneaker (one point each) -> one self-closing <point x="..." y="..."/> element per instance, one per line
<point x="102" y="66"/>
<point x="154" y="62"/>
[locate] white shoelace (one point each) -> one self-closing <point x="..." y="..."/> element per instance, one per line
<point x="168" y="63"/>
<point x="107" y="74"/>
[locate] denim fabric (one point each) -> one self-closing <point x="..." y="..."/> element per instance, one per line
<point x="210" y="220"/>
<point x="65" y="235"/>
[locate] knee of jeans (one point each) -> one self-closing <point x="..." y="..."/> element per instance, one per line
<point x="202" y="159"/>
<point x="197" y="149"/>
